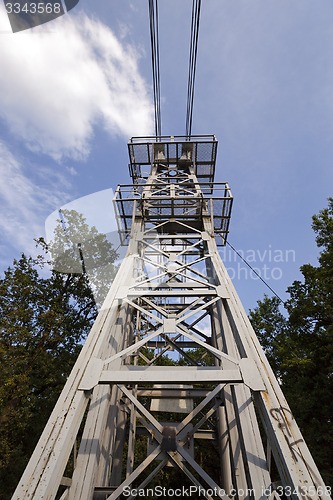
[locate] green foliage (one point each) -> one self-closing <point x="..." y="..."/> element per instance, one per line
<point x="78" y="248"/>
<point x="300" y="346"/>
<point x="270" y="325"/>
<point x="43" y="322"/>
<point x="45" y="316"/>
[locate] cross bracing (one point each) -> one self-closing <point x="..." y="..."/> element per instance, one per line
<point x="172" y="295"/>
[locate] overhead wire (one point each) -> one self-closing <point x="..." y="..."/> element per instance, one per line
<point x="194" y="37"/>
<point x="155" y="55"/>
<point x="255" y="272"/>
<point x="155" y="58"/>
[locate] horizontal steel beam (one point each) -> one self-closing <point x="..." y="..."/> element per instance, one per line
<point x="170" y="393"/>
<point x="245" y="371"/>
<point x="159" y="344"/>
<point x="163" y="374"/>
<point x="171" y="293"/>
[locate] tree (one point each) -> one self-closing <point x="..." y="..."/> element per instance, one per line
<point x="300" y="345"/>
<point x="79" y="248"/>
<point x="270" y="326"/>
<point x="45" y="317"/>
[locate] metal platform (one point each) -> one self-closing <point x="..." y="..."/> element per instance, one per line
<point x="200" y="150"/>
<point x="182" y="189"/>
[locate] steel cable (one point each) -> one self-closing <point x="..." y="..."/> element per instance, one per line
<point x="194" y="36"/>
<point x="155" y="58"/>
<point x="256" y="273"/>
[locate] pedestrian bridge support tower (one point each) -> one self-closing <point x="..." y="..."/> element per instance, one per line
<point x="214" y="417"/>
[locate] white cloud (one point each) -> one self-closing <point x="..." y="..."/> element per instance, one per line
<point x="55" y="86"/>
<point x="24" y="203"/>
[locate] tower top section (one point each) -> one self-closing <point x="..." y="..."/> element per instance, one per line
<point x="172" y="184"/>
<point x="174" y="151"/>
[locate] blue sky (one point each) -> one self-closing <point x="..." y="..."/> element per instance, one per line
<point x="72" y="92"/>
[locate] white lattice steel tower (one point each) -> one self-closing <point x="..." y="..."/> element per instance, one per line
<point x="172" y="294"/>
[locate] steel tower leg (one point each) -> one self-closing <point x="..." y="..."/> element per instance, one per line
<point x="132" y="411"/>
